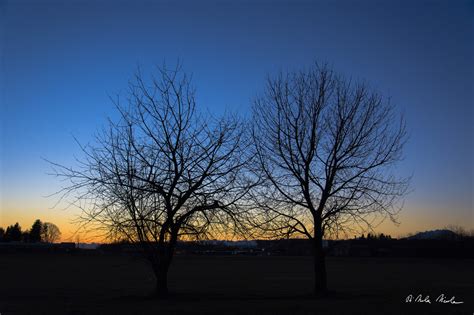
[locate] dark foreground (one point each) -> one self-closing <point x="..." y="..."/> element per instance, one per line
<point x="87" y="284"/>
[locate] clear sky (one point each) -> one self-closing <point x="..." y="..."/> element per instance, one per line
<point x="60" y="61"/>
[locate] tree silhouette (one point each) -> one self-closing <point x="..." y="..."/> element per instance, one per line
<point x="35" y="231"/>
<point x="50" y="233"/>
<point x="13" y="233"/>
<point x="326" y="147"/>
<point x="162" y="172"/>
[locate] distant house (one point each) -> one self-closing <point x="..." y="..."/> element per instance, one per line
<point x="67" y="245"/>
<point x="87" y="245"/>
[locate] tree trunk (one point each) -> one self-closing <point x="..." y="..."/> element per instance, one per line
<point x="161" y="274"/>
<point x="161" y="267"/>
<point x="320" y="281"/>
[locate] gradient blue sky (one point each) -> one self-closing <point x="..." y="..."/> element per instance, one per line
<point x="61" y="59"/>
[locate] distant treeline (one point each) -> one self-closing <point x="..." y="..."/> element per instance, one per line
<point x="39" y="232"/>
<point x="371" y="245"/>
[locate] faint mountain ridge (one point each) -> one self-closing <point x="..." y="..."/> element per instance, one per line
<point x="433" y="235"/>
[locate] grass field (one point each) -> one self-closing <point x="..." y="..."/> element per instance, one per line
<point x="85" y="284"/>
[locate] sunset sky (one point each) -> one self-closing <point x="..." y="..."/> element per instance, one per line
<point x="61" y="60"/>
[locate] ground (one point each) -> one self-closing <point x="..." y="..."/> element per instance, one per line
<point x="116" y="284"/>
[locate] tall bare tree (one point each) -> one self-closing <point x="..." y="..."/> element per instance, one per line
<point x="50" y="233"/>
<point x="162" y="172"/>
<point x="326" y="148"/>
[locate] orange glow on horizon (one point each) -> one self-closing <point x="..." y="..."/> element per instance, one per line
<point x="411" y="222"/>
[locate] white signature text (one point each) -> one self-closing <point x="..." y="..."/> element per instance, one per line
<point x="426" y="299"/>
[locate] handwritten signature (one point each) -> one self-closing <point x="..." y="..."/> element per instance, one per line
<point x="426" y="299"/>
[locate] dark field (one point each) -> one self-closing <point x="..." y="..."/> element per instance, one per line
<point x="81" y="284"/>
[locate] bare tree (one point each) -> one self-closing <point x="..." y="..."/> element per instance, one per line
<point x="326" y="148"/>
<point x="50" y="233"/>
<point x="163" y="172"/>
